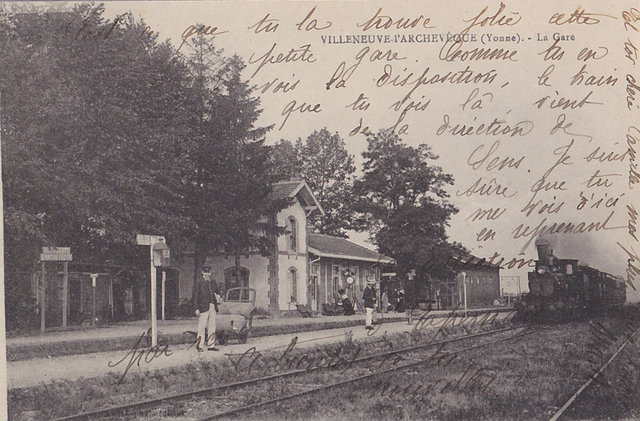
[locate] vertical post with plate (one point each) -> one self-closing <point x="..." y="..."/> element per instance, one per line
<point x="43" y="284"/>
<point x="164" y="279"/>
<point x="65" y="293"/>
<point x="151" y="241"/>
<point x="94" y="277"/>
<point x="54" y="254"/>
<point x="154" y="301"/>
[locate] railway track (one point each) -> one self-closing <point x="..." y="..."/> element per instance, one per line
<point x="415" y="363"/>
<point x="593" y="378"/>
<point x="147" y="405"/>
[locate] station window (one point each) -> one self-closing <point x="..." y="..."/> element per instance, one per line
<point x="292" y="228"/>
<point x="293" y="278"/>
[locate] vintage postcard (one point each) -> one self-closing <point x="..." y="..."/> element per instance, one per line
<point x="320" y="210"/>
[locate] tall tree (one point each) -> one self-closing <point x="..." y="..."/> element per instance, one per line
<point x="402" y="202"/>
<point x="324" y="162"/>
<point x="90" y="116"/>
<point x="285" y="160"/>
<point x="227" y="181"/>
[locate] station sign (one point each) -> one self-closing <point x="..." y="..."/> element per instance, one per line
<point x="56" y="254"/>
<point x="149" y="240"/>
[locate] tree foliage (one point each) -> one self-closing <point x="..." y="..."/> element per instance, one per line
<point x="108" y="132"/>
<point x="323" y="161"/>
<point x="403" y="203"/>
<point x="88" y="127"/>
<point x="226" y="172"/>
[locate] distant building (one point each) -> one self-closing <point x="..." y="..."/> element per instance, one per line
<point x="482" y="284"/>
<point x="482" y="280"/>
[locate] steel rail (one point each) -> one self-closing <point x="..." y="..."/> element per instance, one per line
<point x="255" y="405"/>
<point x="586" y="384"/>
<point x="137" y="406"/>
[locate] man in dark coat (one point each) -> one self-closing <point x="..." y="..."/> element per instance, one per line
<point x="347" y="305"/>
<point x="206" y="309"/>
<point x="369" y="298"/>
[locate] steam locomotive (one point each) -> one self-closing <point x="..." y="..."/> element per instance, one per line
<point x="563" y="288"/>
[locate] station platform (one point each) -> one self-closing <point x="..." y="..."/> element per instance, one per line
<point x="38" y="371"/>
<point x="122" y="336"/>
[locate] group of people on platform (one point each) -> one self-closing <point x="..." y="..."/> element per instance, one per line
<point x="207" y="300"/>
<point x="369" y="299"/>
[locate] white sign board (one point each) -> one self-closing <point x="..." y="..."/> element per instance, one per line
<point x="148" y="240"/>
<point x="56" y="254"/>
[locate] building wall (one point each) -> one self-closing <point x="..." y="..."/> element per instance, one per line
<point x="287" y="263"/>
<point x="258" y="266"/>
<point x="296" y="211"/>
<point x="483" y="286"/>
<point x="289" y="259"/>
<point x="258" y="275"/>
<point x="332" y="268"/>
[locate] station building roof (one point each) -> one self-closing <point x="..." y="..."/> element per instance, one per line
<point x="297" y="187"/>
<point x="340" y="248"/>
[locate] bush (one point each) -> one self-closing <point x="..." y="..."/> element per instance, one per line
<point x="185" y="308"/>
<point x="20" y="306"/>
<point x="261" y="311"/>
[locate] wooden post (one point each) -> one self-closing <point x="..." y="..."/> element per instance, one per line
<point x="111" y="297"/>
<point x="154" y="300"/>
<point x="464" y="283"/>
<point x="36" y="282"/>
<point x="164" y="278"/>
<point x="43" y="299"/>
<point x="93" y="299"/>
<point x="65" y="293"/>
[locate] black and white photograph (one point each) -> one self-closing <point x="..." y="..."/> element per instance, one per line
<point x="331" y="210"/>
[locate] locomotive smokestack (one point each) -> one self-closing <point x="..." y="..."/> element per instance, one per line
<point x="544" y="249"/>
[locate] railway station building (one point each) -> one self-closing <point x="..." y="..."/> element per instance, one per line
<point x="337" y="263"/>
<point x="302" y="268"/>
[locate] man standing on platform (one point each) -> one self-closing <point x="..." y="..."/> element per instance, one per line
<point x="369" y="298"/>
<point x="206" y="309"/>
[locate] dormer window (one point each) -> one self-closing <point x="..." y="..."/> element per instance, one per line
<point x="292" y="228"/>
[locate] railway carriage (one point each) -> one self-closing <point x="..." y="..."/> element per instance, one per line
<point x="560" y="288"/>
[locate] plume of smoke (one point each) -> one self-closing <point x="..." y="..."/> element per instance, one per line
<point x="588" y="249"/>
